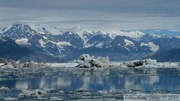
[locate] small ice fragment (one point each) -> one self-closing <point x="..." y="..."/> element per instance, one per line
<point x="55" y="99"/>
<point x="10" y="99"/>
<point x="4" y="88"/>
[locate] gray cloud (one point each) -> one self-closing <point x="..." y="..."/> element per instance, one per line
<point x="130" y="6"/>
<point x="117" y="14"/>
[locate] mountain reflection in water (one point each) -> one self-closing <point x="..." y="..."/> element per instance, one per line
<point x="95" y="83"/>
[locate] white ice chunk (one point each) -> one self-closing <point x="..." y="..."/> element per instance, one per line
<point x="10" y="99"/>
<point x="1" y="64"/>
<point x="32" y="93"/>
<point x="55" y="99"/>
<point x="138" y="63"/>
<point x="61" y="64"/>
<point x="8" y="66"/>
<point x="4" y="88"/>
<point x="87" y="61"/>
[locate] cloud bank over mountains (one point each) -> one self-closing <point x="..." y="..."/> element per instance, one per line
<point x="93" y="14"/>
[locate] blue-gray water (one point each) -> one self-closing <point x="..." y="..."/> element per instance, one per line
<point x="164" y="81"/>
<point x="115" y="82"/>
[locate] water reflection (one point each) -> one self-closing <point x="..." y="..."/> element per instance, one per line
<point x="21" y="85"/>
<point x="54" y="82"/>
<point x="108" y="83"/>
<point x="139" y="82"/>
<point x="150" y="80"/>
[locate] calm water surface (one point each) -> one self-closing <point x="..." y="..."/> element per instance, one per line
<point x="112" y="82"/>
<point x="143" y="82"/>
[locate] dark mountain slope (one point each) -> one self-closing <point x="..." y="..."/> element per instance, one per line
<point x="9" y="49"/>
<point x="172" y="55"/>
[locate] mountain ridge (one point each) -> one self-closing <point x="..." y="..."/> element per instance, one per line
<point x="126" y="46"/>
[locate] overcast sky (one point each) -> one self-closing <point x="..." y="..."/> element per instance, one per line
<point x="94" y="14"/>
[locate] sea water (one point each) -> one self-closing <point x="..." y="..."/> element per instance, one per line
<point x="108" y="84"/>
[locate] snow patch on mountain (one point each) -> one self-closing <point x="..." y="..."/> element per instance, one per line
<point x="137" y="35"/>
<point x="154" y="35"/>
<point x="36" y="28"/>
<point x="61" y="44"/>
<point x="177" y="37"/>
<point x="128" y="42"/>
<point x="54" y="30"/>
<point x="44" y="37"/>
<point x="42" y="43"/>
<point x="83" y="34"/>
<point x="86" y="45"/>
<point x="134" y="34"/>
<point x="64" y="43"/>
<point x="22" y="41"/>
<point x="151" y="45"/>
<point x="100" y="45"/>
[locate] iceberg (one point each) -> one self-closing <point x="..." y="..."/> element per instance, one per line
<point x="8" y="65"/>
<point x="87" y="61"/>
<point x="139" y="63"/>
<point x="38" y="93"/>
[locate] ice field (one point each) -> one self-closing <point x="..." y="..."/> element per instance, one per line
<point x="88" y="78"/>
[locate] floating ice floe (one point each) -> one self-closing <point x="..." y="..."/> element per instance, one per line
<point x="139" y="63"/>
<point x="16" y="65"/>
<point x="7" y="65"/>
<point x="87" y="61"/>
<point x="55" y="99"/>
<point x="11" y="99"/>
<point x="1" y="64"/>
<point x="38" y="93"/>
<point x="87" y="65"/>
<point x="4" y="88"/>
<point x="61" y="64"/>
<point x="149" y="63"/>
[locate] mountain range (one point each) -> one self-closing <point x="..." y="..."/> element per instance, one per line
<point x="55" y="44"/>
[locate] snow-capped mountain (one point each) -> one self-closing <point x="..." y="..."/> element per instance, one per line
<point x="39" y="39"/>
<point x="122" y="41"/>
<point x="58" y="42"/>
<point x="99" y="40"/>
